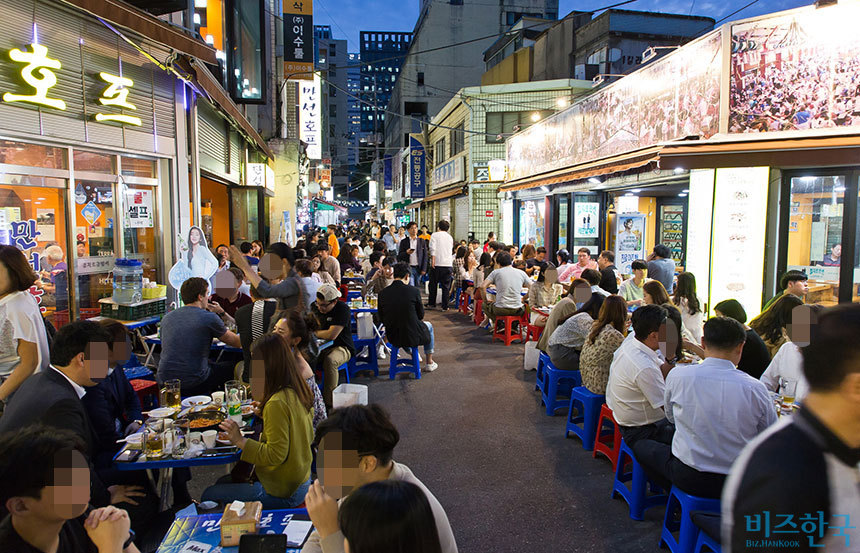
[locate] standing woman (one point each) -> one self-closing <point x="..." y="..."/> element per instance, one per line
<point x="282" y="455"/>
<point x="686" y="300"/>
<point x="23" y="340"/>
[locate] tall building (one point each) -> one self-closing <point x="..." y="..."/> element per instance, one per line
<point x="353" y="127"/>
<point x="382" y="54"/>
<point x="447" y="54"/>
<point x="331" y="61"/>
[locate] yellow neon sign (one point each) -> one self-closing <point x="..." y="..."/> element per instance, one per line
<point x="117" y="95"/>
<point x="37" y="59"/>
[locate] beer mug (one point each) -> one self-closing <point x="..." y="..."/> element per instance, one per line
<point x="154" y="439"/>
<point x="170" y="395"/>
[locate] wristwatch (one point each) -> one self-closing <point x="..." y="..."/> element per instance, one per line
<point x="129" y="540"/>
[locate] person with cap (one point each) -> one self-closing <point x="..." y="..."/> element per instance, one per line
<point x="333" y="322"/>
<point x="755" y="357"/>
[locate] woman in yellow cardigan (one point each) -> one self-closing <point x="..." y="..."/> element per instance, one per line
<point x="282" y="456"/>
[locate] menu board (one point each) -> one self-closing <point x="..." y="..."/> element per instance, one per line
<point x="739" y="224"/>
<point x="672" y="230"/>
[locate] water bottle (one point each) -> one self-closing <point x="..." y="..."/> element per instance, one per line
<point x="127" y="281"/>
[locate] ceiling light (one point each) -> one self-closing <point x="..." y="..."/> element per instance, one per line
<point x="43" y="199"/>
<point x="199" y="3"/>
<point x="835" y="189"/>
<point x="636" y="190"/>
<point x="562" y="102"/>
<point x="210" y="40"/>
<point x="27" y="200"/>
<point x="196" y="19"/>
<point x="686" y="191"/>
<point x="682" y="195"/>
<point x="678" y="170"/>
<point x="630" y="194"/>
<point x="594" y="180"/>
<point x="535" y="117"/>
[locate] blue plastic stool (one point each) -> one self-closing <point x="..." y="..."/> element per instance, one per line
<point x="552" y="377"/>
<point x="704" y="542"/>
<point x="543" y="359"/>
<point x="584" y="424"/>
<point x="687" y="504"/>
<point x="412" y="365"/>
<point x="367" y="362"/>
<point x="636" y="495"/>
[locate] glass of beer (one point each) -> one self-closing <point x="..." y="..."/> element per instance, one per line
<point x="170" y="396"/>
<point x="789" y="389"/>
<point x="154" y="439"/>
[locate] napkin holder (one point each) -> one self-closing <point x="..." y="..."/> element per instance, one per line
<point x="239" y="518"/>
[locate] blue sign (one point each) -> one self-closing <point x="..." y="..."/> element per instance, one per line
<point x="386" y="173"/>
<point x="417" y="168"/>
<point x="91" y="213"/>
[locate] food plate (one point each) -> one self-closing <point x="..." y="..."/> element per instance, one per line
<point x="162" y="412"/>
<point x="247" y="410"/>
<point x="204" y="420"/>
<point x="196" y="401"/>
<point x="222" y="438"/>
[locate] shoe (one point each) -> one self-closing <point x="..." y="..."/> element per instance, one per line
<point x="431" y="367"/>
<point x="444" y="309"/>
<point x="428" y="306"/>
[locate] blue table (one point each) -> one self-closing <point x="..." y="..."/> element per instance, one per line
<point x="134" y="327"/>
<point x="154" y="340"/>
<point x="206" y="530"/>
<point x="352" y="279"/>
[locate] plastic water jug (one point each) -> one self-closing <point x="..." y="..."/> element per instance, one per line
<point x="127" y="281"/>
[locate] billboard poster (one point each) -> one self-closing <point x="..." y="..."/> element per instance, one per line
<point x="298" y="39"/>
<point x="310" y="131"/>
<point x="417" y="168"/>
<point x="674" y="97"/>
<point x="796" y="71"/>
<point x="586" y="221"/>
<point x="629" y="240"/>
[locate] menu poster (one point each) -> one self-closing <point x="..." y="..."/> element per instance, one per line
<point x="202" y="533"/>
<point x="672" y="230"/>
<point x="138" y="209"/>
<point x="629" y="240"/>
<point x="586" y="219"/>
<point x="740" y="215"/>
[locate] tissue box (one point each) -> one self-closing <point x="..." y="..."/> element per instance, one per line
<point x="233" y="525"/>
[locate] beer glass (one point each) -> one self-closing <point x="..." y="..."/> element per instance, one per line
<point x="170" y="396"/>
<point x="154" y="439"/>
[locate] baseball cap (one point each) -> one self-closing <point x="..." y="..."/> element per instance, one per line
<point x="328" y="292"/>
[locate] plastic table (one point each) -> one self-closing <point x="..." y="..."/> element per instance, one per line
<point x="153" y="340"/>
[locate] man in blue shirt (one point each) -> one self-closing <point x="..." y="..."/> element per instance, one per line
<point x="661" y="267"/>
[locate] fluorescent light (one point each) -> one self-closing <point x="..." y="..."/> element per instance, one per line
<point x="27" y="200"/>
<point x="636" y="190"/>
<point x="43" y="199"/>
<point x="535" y="117"/>
<point x="835" y="189"/>
<point x="682" y="195"/>
<point x="629" y="194"/>
<point x="678" y="170"/>
<point x="594" y="180"/>
<point x="196" y="19"/>
<point x="545" y="188"/>
<point x="686" y="191"/>
<point x="210" y="40"/>
<point x="199" y="3"/>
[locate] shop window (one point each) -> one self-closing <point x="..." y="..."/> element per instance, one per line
<point x="137" y="167"/>
<point x="140" y="223"/>
<point x="94" y="240"/>
<point x="93" y="162"/>
<point x="33" y="155"/>
<point x="816" y="211"/>
<point x="247" y="68"/>
<point x="245" y="214"/>
<point x="32" y="219"/>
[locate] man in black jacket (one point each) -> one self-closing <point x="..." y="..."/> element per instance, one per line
<point x="413" y="252"/>
<point x="401" y="312"/>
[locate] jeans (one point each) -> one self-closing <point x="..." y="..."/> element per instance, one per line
<point x="428" y="349"/>
<point x="416" y="276"/>
<point x="224" y="493"/>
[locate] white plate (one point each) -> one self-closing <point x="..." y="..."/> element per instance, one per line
<point x="162" y="412"/>
<point x="195" y="401"/>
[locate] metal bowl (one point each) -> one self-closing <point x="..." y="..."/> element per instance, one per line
<point x="219" y="416"/>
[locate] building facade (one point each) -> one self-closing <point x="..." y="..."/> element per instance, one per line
<point x="332" y="62"/>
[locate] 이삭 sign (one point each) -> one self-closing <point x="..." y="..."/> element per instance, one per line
<point x="138" y="209"/>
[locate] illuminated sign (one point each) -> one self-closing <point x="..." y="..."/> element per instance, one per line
<point x="37" y="59"/>
<point x="117" y="95"/>
<point x="299" y="39"/>
<point x="310" y="131"/>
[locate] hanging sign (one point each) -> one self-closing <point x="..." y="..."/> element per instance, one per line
<point x="299" y="39"/>
<point x="138" y="209"/>
<point x="417" y="168"/>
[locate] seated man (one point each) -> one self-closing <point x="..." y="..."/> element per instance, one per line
<point x="375" y="264"/>
<point x="333" y="320"/>
<point x="637" y="379"/>
<point x="46" y="493"/>
<point x="716" y="409"/>
<point x="401" y="311"/>
<point x="509" y="286"/>
<point x="328" y="262"/>
<point x="245" y="248"/>
<point x="536" y="263"/>
<point x="355" y="447"/>
<point x="632" y="289"/>
<point x="186" y="340"/>
<point x="578" y="294"/>
<point x="228" y="295"/>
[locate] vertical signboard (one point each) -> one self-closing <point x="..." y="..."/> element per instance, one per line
<point x="386" y="173"/>
<point x="417" y="167"/>
<point x="309" y="117"/>
<point x="299" y="39"/>
<point x="586" y="219"/>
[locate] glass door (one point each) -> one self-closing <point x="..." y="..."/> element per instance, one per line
<point x="563" y="217"/>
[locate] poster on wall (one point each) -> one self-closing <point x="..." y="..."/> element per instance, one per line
<point x="138" y="209"/>
<point x="532" y="223"/>
<point x="45" y="224"/>
<point x="740" y="214"/>
<point x="796" y="71"/>
<point x="586" y="219"/>
<point x="629" y="240"/>
<point x="672" y="230"/>
<point x="700" y="206"/>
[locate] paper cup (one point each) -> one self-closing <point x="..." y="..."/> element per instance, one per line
<point x="209" y="437"/>
<point x="218" y="398"/>
<point x="194" y="438"/>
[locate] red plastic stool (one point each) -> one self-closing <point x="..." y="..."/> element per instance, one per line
<point x="607" y="441"/>
<point x="144" y="389"/>
<point x="465" y="299"/>
<point x="533" y="332"/>
<point x="507" y="335"/>
<point x="479" y="312"/>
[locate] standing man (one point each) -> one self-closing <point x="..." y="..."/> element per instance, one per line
<point x="608" y="271"/>
<point x="441" y="263"/>
<point x="413" y="250"/>
<point x="661" y="267"/>
<point x="333" y="244"/>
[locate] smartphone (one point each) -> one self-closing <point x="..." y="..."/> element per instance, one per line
<point x="128" y="456"/>
<point x="262" y="543"/>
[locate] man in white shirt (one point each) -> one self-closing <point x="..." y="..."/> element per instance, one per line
<point x="509" y="286"/>
<point x="637" y="380"/>
<point x="441" y="263"/>
<point x="716" y="409"/>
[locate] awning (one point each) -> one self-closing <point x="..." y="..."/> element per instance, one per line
<point x="328" y="206"/>
<point x="145" y="24"/>
<point x="605" y="166"/>
<point x="816" y="151"/>
<point x="226" y="105"/>
<point x="415" y="204"/>
<point x="446" y="194"/>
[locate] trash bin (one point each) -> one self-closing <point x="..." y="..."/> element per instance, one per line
<point x="349" y="394"/>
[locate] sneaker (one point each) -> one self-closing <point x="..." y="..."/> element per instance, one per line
<point x="431" y="367"/>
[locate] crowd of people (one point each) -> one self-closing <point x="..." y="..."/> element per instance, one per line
<point x="692" y="396"/>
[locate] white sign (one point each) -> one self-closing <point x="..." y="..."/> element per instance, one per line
<point x="138" y="209"/>
<point x="93" y="265"/>
<point x="260" y="174"/>
<point x="449" y="172"/>
<point x="586" y="219"/>
<point x="310" y="131"/>
<point x="700" y="207"/>
<point x="740" y="215"/>
<point x="498" y="170"/>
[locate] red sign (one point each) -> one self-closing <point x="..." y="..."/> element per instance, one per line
<point x="489" y="213"/>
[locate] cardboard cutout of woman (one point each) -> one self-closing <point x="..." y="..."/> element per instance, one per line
<point x="195" y="260"/>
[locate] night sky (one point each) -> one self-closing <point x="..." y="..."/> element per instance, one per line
<point x="348" y="17"/>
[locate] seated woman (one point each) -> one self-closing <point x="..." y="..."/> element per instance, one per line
<point x="566" y="342"/>
<point x="283" y="454"/>
<point x="294" y="328"/>
<point x="348" y="259"/>
<point x="546" y="292"/>
<point x="772" y="323"/>
<point x="654" y="293"/>
<point x="605" y="337"/>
